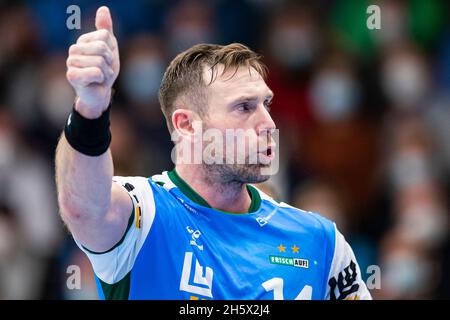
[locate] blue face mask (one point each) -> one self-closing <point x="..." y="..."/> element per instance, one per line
<point x="142" y="78"/>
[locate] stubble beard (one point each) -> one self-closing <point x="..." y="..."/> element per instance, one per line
<point x="235" y="173"/>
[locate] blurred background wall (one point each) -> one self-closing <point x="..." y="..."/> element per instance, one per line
<point x="364" y="118"/>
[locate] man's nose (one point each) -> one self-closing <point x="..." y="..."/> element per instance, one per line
<point x="265" y="121"/>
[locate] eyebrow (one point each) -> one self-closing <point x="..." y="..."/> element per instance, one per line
<point x="250" y="98"/>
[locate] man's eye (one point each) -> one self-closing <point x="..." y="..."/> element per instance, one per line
<point x="243" y="107"/>
<point x="268" y="104"/>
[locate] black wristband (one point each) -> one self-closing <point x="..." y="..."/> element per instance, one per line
<point x="91" y="137"/>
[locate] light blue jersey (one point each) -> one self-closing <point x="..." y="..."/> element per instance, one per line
<point x="178" y="247"/>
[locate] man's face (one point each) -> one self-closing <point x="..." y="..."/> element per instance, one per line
<point x="238" y="103"/>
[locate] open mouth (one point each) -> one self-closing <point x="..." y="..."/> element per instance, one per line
<point x="267" y="155"/>
<point x="266" y="152"/>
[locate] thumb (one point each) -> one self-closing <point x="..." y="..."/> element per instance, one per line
<point x="103" y="19"/>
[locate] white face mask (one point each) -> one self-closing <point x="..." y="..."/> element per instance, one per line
<point x="424" y="223"/>
<point x="404" y="81"/>
<point x="405" y="273"/>
<point x="410" y="168"/>
<point x="57" y="98"/>
<point x="292" y="47"/>
<point x="335" y="96"/>
<point x="142" y="78"/>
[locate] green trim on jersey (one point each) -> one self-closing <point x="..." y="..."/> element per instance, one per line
<point x="186" y="189"/>
<point x="194" y="196"/>
<point x="117" y="291"/>
<point x="256" y="198"/>
<point x="130" y="223"/>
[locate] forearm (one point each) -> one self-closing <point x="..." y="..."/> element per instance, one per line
<point x="83" y="183"/>
<point x="95" y="210"/>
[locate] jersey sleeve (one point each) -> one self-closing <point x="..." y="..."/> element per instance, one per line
<point x="344" y="280"/>
<point x="113" y="265"/>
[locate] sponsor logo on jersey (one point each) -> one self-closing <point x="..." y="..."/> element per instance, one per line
<point x="288" y="261"/>
<point x="344" y="284"/>
<point x="195" y="278"/>
<point x="194" y="237"/>
<point x="262" y="221"/>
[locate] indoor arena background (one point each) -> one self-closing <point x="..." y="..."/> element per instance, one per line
<point x="364" y="119"/>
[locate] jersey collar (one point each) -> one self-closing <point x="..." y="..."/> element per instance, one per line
<point x="194" y="196"/>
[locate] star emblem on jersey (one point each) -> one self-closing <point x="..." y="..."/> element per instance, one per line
<point x="289" y="261"/>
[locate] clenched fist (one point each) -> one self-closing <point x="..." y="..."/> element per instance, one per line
<point x="93" y="65"/>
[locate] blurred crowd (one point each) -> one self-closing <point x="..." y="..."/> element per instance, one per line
<point x="364" y="118"/>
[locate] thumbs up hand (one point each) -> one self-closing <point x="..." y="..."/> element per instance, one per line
<point x="93" y="65"/>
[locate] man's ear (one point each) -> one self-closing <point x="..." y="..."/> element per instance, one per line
<point x="185" y="122"/>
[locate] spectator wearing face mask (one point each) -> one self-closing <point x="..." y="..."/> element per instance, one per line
<point x="407" y="270"/>
<point x="341" y="143"/>
<point x="143" y="67"/>
<point x="405" y="79"/>
<point x="189" y="22"/>
<point x="411" y="249"/>
<point x="292" y="46"/>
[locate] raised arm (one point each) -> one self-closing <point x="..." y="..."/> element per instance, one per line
<point x="95" y="210"/>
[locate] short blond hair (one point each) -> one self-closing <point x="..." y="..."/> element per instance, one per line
<point x="184" y="75"/>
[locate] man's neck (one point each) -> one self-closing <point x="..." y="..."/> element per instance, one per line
<point x="229" y="197"/>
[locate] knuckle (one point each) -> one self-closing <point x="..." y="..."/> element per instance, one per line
<point x="100" y="46"/>
<point x="81" y="38"/>
<point x="97" y="72"/>
<point x="99" y="61"/>
<point x="104" y="47"/>
<point x="71" y="60"/>
<point x="73" y="48"/>
<point x="71" y="74"/>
